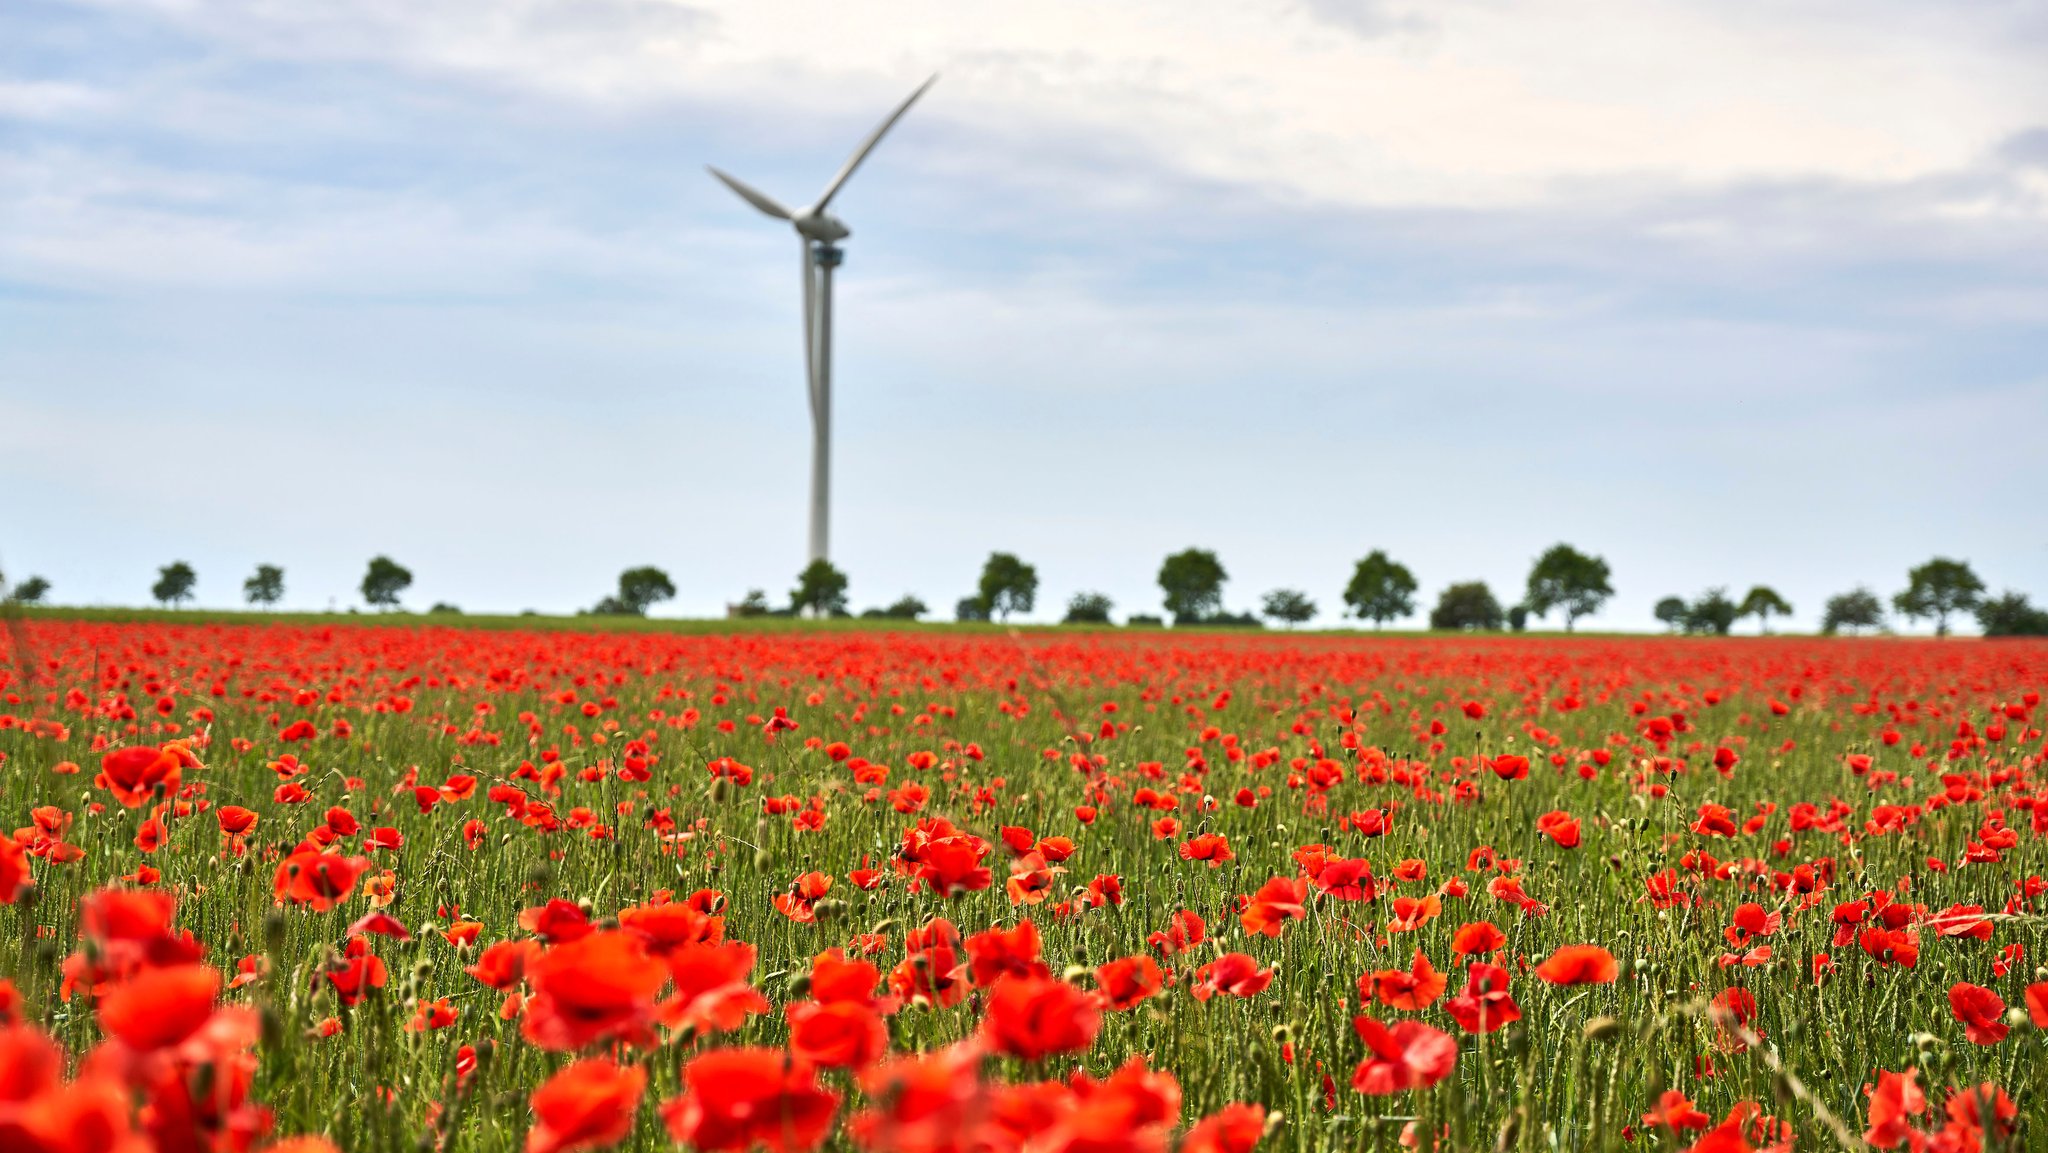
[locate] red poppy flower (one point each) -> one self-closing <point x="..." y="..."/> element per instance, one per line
<point x="1675" y="1111"/>
<point x="668" y="927"/>
<point x="1561" y="827"/>
<point x="1413" y="989"/>
<point x="317" y="878"/>
<point x="931" y="971"/>
<point x="1211" y="847"/>
<point x="1477" y="938"/>
<point x="734" y="1099"/>
<point x="591" y="989"/>
<point x="712" y="992"/>
<point x="356" y="972"/>
<point x="1410" y="1055"/>
<point x="235" y="821"/>
<point x="588" y="1105"/>
<point x="502" y="964"/>
<point x="1231" y="1129"/>
<point x="1034" y="1017"/>
<point x="1237" y="974"/>
<point x="837" y="1034"/>
<point x="1981" y="1011"/>
<point x="156" y="1008"/>
<point x="1579" y="965"/>
<point x="923" y="1102"/>
<point x="2037" y="1004"/>
<point x="558" y="922"/>
<point x="999" y="952"/>
<point x="1485" y="1005"/>
<point x="1896" y="1100"/>
<point x="133" y="775"/>
<point x="1128" y="980"/>
<point x="1277" y="902"/>
<point x="1184" y="930"/>
<point x="1346" y="879"/>
<point x="14" y="872"/>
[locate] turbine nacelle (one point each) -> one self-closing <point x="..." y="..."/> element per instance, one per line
<point x="821" y="226"/>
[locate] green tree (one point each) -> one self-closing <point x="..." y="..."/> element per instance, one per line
<point x="1565" y="578"/>
<point x="970" y="609"/>
<point x="754" y="604"/>
<point x="384" y="580"/>
<point x="1671" y="610"/>
<point x="1193" y="582"/>
<point x="174" y="583"/>
<point x="2011" y="615"/>
<point x="1518" y="617"/>
<point x="906" y="608"/>
<point x="444" y="609"/>
<point x="1289" y="606"/>
<point x="1381" y="589"/>
<point x="1008" y="585"/>
<point x="28" y="592"/>
<point x="1853" y="610"/>
<point x="1713" y="613"/>
<point x="1089" y="608"/>
<point x="1466" y="606"/>
<point x="820" y="590"/>
<point x="642" y="588"/>
<point x="1937" y="589"/>
<point x="265" y="586"/>
<point x="1761" y="602"/>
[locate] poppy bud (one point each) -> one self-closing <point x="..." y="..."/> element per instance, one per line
<point x="1074" y="973"/>
<point x="884" y="927"/>
<point x="28" y="897"/>
<point x="763" y="859"/>
<point x="486" y="1051"/>
<point x="829" y="909"/>
<point x="2017" y="1018"/>
<point x="1273" y="1121"/>
<point x="718" y="789"/>
<point x="1602" y="1029"/>
<point x="1283" y="1034"/>
<point x="270" y="1026"/>
<point x="800" y="987"/>
<point x="273" y="930"/>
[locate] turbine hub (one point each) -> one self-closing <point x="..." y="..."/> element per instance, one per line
<point x="822" y="227"/>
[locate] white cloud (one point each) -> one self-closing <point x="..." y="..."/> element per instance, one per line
<point x="1486" y="104"/>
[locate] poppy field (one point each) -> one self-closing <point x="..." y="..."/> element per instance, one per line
<point x="308" y="887"/>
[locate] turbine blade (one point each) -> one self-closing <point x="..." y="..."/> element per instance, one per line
<point x="810" y="329"/>
<point x="867" y="146"/>
<point x="758" y="199"/>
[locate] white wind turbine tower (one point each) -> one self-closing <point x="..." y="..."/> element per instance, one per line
<point x="819" y="233"/>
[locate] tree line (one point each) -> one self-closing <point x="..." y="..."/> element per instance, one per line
<point x="1564" y="581"/>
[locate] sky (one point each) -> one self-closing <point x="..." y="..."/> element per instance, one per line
<point x="1724" y="291"/>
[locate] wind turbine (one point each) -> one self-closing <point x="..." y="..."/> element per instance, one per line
<point x="819" y="233"/>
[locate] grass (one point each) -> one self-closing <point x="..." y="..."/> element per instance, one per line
<point x="1583" y="1062"/>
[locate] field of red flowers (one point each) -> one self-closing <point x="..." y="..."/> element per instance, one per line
<point x="365" y="888"/>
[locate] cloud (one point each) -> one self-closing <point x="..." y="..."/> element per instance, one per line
<point x="1368" y="18"/>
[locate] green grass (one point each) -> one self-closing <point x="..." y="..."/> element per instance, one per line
<point x="1541" y="1085"/>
